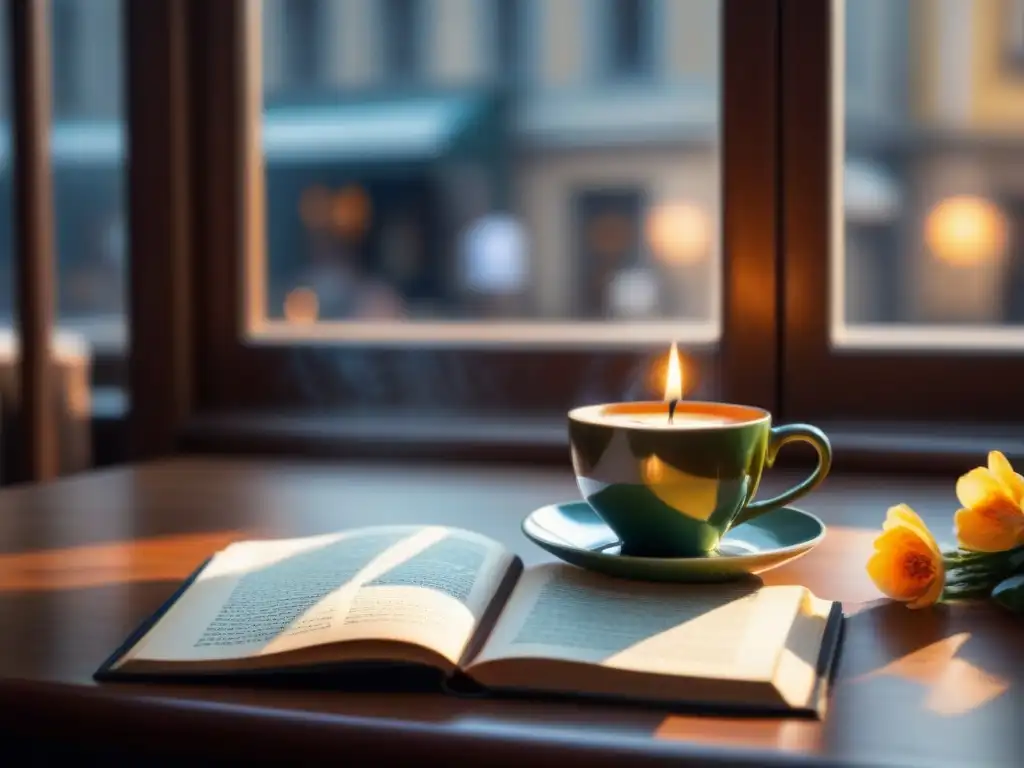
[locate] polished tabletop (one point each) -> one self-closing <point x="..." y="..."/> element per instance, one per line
<point x="85" y="559"/>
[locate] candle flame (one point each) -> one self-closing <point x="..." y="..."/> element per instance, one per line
<point x="674" y="379"/>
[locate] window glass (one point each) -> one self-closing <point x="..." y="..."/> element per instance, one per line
<point x="87" y="145"/>
<point x="933" y="244"/>
<point x="88" y="165"/>
<point x="88" y="157"/>
<point x="508" y="21"/>
<point x="570" y="208"/>
<point x="301" y="23"/>
<point x="401" y="25"/>
<point x="6" y="186"/>
<point x="628" y="24"/>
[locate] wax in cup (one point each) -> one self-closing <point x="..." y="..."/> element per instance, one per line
<point x="660" y="420"/>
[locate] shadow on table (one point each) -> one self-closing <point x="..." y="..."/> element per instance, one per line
<point x="946" y="661"/>
<point x="888" y="636"/>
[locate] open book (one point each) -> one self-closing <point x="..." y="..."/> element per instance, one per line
<point x="462" y="604"/>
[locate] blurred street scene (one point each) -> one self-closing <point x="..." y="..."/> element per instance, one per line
<point x="558" y="160"/>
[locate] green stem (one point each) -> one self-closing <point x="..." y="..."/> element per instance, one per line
<point x="973" y="584"/>
<point x="996" y="562"/>
<point x="967" y="554"/>
<point x="974" y="573"/>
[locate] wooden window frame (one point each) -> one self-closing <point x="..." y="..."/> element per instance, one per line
<point x="160" y="212"/>
<point x="225" y="394"/>
<point x="195" y="191"/>
<point x="36" y="427"/>
<point x="895" y="407"/>
<point x="197" y="385"/>
<point x="33" y="424"/>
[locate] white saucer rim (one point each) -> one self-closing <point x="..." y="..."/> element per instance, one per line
<point x="794" y="549"/>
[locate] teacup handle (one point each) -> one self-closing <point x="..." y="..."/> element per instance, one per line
<point x="780" y="436"/>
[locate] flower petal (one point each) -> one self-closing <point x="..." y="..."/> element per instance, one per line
<point x="896" y="548"/>
<point x="977" y="486"/>
<point x="902" y="513"/>
<point x="887" y="574"/>
<point x="903" y="516"/>
<point x="900" y="539"/>
<point x="1001" y="470"/>
<point x="993" y="527"/>
<point x="934" y="592"/>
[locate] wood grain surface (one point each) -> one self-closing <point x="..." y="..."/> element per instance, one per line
<point x="84" y="560"/>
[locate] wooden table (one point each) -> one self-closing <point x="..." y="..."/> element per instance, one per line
<point x="84" y="560"/>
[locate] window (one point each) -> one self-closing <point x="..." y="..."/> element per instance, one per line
<point x="88" y="161"/>
<point x="612" y="272"/>
<point x="923" y="273"/>
<point x="409" y="210"/>
<point x="88" y="184"/>
<point x="7" y="274"/>
<point x="420" y="248"/>
<point x="944" y="204"/>
<point x="1013" y="25"/>
<point x="401" y="29"/>
<point x="65" y="23"/>
<point x="508" y="28"/>
<point x="1013" y="289"/>
<point x="302" y="37"/>
<point x="629" y="41"/>
<point x="803" y="194"/>
<point x="87" y="153"/>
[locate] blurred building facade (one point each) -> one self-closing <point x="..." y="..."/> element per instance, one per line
<point x="963" y="145"/>
<point x="609" y="124"/>
<point x="934" y="118"/>
<point x="88" y="160"/>
<point x="613" y="128"/>
<point x="559" y="158"/>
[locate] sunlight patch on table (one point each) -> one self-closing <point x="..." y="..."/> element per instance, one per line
<point x="953" y="685"/>
<point x="165" y="558"/>
<point x="786" y="735"/>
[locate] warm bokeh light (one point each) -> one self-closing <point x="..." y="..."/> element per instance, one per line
<point x="674" y="378"/>
<point x="301" y="306"/>
<point x="351" y="212"/>
<point x="678" y="233"/>
<point x="965" y="231"/>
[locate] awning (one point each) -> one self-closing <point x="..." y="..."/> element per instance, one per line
<point x="410" y="129"/>
<point x="870" y="193"/>
<point x="415" y="129"/>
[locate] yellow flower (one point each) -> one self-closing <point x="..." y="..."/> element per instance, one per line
<point x="907" y="564"/>
<point x="991" y="519"/>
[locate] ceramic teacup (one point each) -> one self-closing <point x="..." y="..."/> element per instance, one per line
<point x="673" y="488"/>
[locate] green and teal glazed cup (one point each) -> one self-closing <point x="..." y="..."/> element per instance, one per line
<point x="672" y="489"/>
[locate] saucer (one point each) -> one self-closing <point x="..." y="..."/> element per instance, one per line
<point x="574" y="533"/>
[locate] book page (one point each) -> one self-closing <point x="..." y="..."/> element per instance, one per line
<point x="727" y="631"/>
<point x="426" y="586"/>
